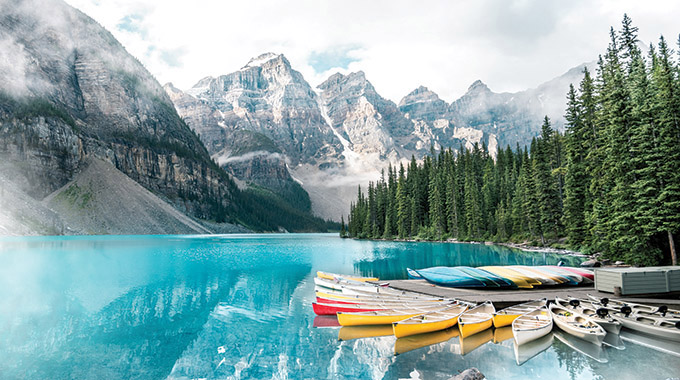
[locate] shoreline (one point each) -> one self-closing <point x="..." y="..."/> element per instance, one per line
<point x="519" y="246"/>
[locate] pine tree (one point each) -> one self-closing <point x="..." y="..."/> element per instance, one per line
<point x="577" y="179"/>
<point x="667" y="101"/>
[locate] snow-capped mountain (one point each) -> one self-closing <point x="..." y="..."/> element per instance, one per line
<point x="343" y="133"/>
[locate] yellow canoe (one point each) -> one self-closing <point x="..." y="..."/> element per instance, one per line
<point x="519" y="279"/>
<point x="333" y="276"/>
<point x="543" y="277"/>
<point x="434" y="321"/>
<point x="504" y="317"/>
<point x="386" y="316"/>
<point x="413" y="342"/>
<point x="358" y="332"/>
<point x="477" y="319"/>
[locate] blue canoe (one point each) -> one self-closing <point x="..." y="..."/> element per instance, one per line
<point x="490" y="279"/>
<point x="412" y="274"/>
<point x="449" y="276"/>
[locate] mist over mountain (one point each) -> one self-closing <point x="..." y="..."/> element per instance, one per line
<point x="71" y="97"/>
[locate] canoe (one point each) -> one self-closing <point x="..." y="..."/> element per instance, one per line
<point x="520" y="280"/>
<point x="332" y="276"/>
<point x="410" y="343"/>
<point x="358" y="332"/>
<point x="581" y="272"/>
<point x="433" y="321"/>
<point x="387" y="316"/>
<point x="599" y="315"/>
<point x="636" y="307"/>
<point x="395" y="303"/>
<point x="577" y="324"/>
<point x="593" y="351"/>
<point x="413" y="275"/>
<point x="532" y="325"/>
<point x="477" y="319"/>
<point x="450" y="276"/>
<point x="334" y="308"/>
<point x="524" y="352"/>
<point x="565" y="276"/>
<point x="490" y="279"/>
<point x="340" y="284"/>
<point x="370" y="297"/>
<point x="505" y="316"/>
<point x="665" y="328"/>
<point x="539" y="276"/>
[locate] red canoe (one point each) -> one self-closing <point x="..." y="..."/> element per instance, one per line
<point x="332" y="309"/>
<point x="587" y="274"/>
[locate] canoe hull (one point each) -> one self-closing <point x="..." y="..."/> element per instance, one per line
<point x="469" y="329"/>
<point x="504" y="320"/>
<point x="357" y="319"/>
<point x="402" y="330"/>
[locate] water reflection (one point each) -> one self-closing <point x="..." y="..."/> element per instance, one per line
<point x="385" y="265"/>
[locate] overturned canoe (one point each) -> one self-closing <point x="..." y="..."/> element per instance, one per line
<point x="532" y="325"/>
<point x="504" y="317"/>
<point x="450" y="276"/>
<point x="477" y="319"/>
<point x="489" y="279"/>
<point x="429" y="322"/>
<point x="517" y="278"/>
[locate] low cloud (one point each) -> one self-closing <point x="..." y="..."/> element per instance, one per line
<point x="261" y="154"/>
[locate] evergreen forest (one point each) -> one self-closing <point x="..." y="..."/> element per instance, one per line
<point x="610" y="184"/>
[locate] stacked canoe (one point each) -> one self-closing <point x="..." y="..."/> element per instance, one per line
<point x="504" y="277"/>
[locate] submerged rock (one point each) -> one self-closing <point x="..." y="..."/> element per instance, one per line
<point x="469" y="374"/>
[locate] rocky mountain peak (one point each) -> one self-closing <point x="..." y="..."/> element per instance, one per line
<point x="478" y="86"/>
<point x="265" y="58"/>
<point x="423" y="104"/>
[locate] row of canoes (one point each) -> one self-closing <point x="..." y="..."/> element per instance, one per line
<point x="359" y="303"/>
<point x="513" y="276"/>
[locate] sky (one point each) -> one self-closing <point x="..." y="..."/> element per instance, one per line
<point x="445" y="45"/>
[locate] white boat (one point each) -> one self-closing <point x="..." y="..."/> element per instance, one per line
<point x="524" y="352"/>
<point x="586" y="348"/>
<point x="598" y="314"/>
<point x="577" y="324"/>
<point x="665" y="328"/>
<point x="663" y="310"/>
<point x="331" y="276"/>
<point x="532" y="325"/>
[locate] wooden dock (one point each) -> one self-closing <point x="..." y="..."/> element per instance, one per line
<point x="507" y="297"/>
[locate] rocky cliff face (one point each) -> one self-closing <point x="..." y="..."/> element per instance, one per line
<point x="69" y="90"/>
<point x="268" y="97"/>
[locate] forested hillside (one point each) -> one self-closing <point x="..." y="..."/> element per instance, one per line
<point x="610" y="184"/>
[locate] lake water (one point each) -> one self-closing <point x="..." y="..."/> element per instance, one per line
<point x="239" y="307"/>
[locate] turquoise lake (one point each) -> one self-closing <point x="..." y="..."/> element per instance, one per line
<point x="240" y="307"/>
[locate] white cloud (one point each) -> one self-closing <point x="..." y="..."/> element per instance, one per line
<point x="444" y="45"/>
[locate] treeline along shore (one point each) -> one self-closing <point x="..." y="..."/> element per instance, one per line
<point x="610" y="184"/>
